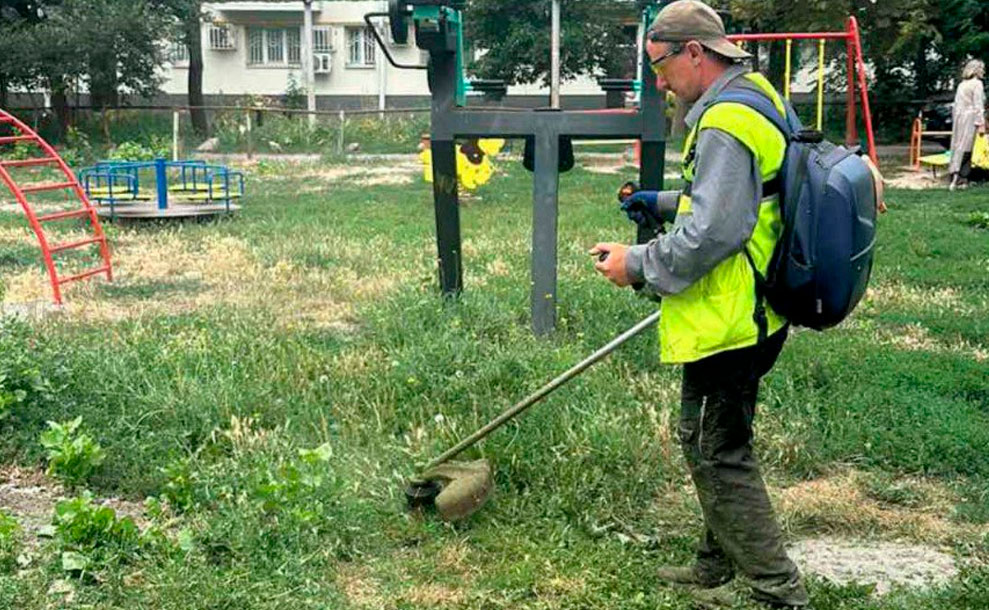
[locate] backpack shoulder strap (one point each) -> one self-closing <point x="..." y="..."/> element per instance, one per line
<point x="761" y="104"/>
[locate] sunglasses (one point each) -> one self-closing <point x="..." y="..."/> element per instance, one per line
<point x="656" y="64"/>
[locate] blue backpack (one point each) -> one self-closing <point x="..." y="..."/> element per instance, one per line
<point x="821" y="265"/>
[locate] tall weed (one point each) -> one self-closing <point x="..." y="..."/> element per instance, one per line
<point x="73" y="456"/>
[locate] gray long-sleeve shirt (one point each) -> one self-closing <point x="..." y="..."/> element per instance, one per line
<point x="724" y="201"/>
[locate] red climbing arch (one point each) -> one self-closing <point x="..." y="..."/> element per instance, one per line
<point x="48" y="157"/>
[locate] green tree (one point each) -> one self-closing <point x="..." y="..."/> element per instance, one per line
<point x="111" y="46"/>
<point x="594" y="38"/>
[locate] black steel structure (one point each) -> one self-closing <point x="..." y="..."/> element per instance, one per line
<point x="438" y="30"/>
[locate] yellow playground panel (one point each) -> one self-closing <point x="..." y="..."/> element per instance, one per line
<point x="473" y="161"/>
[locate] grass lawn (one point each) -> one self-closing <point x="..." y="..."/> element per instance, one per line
<point x="270" y="380"/>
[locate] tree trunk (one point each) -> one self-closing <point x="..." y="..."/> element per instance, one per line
<point x="776" y="73"/>
<point x="920" y="67"/>
<point x="194" y="41"/>
<point x="60" y="105"/>
<point x="103" y="86"/>
<point x="4" y="88"/>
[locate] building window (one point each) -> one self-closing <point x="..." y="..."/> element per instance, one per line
<point x="255" y="47"/>
<point x="293" y="39"/>
<point x="322" y="41"/>
<point x="222" y="37"/>
<point x="274" y="46"/>
<point x="361" y="47"/>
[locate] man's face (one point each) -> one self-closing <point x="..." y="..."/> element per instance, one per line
<point x="675" y="66"/>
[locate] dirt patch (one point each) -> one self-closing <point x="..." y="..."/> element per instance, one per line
<point x="886" y="565"/>
<point x="32" y="311"/>
<point x="380" y="174"/>
<point x="906" y="178"/>
<point x="30" y="496"/>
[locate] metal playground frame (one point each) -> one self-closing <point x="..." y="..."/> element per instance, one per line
<point x="856" y="76"/>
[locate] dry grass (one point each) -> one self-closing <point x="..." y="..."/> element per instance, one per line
<point x="433" y="595"/>
<point x="360" y="588"/>
<point x="216" y="271"/>
<point x="885" y="295"/>
<point x="840" y="504"/>
<point x="916" y="337"/>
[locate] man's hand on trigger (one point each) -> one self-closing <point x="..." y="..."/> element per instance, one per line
<point x="641" y="207"/>
<point x="611" y="262"/>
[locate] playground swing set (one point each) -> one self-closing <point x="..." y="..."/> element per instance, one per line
<point x="857" y="90"/>
<point x="548" y="132"/>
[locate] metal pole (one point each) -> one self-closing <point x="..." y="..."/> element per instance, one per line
<point x="175" y="135"/>
<point x="554" y="79"/>
<point x="545" y="199"/>
<point x="851" y="129"/>
<point x="382" y="81"/>
<point x="640" y="50"/>
<point x="308" y="65"/>
<point x="542" y="392"/>
<point x="161" y="183"/>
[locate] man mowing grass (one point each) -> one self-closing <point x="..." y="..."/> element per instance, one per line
<point x="726" y="221"/>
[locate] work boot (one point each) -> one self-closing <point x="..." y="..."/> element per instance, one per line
<point x="788" y="594"/>
<point x="716" y="598"/>
<point x="690" y="575"/>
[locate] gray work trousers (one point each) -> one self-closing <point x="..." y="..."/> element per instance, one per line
<point x="718" y="403"/>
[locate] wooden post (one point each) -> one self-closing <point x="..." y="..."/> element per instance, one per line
<point x="343" y="121"/>
<point x="250" y="137"/>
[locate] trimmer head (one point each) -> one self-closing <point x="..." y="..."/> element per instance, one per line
<point x="456" y="489"/>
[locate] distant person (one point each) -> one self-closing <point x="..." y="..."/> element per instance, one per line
<point x="968" y="119"/>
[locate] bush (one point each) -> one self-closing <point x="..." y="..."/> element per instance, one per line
<point x="157" y="146"/>
<point x="23" y="384"/>
<point x="72" y="456"/>
<point x="979" y="220"/>
<point x="10" y="542"/>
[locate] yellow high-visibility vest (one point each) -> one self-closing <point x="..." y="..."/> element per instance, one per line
<point x="718" y="312"/>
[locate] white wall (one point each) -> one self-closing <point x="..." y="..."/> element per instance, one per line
<point x="227" y="72"/>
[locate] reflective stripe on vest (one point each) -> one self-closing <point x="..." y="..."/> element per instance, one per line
<point x="717" y="313"/>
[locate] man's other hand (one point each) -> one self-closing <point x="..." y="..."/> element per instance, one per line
<point x="611" y="262"/>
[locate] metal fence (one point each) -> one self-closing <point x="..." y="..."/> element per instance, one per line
<point x="248" y="118"/>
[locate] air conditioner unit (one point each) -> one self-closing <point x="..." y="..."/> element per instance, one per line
<point x="322" y="63"/>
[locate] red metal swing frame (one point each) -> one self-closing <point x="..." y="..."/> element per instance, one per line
<point x="856" y="72"/>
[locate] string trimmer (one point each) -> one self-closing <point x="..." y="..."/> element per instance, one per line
<point x="459" y="489"/>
